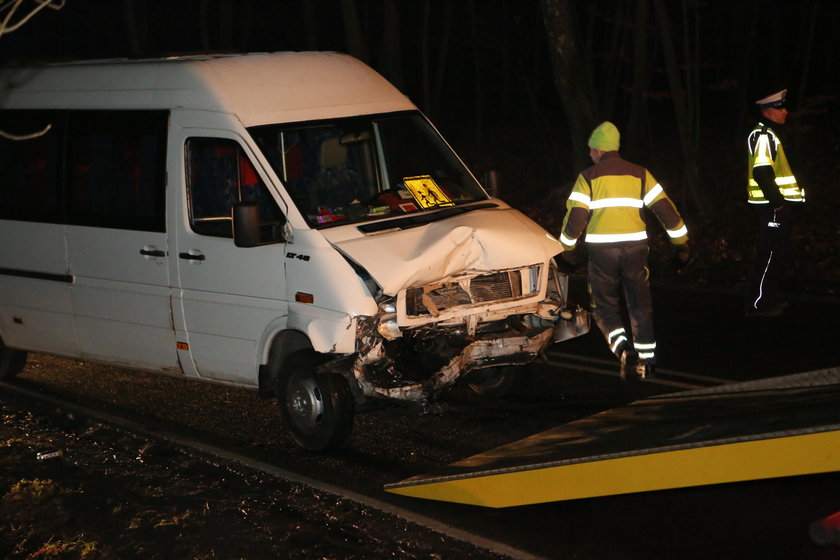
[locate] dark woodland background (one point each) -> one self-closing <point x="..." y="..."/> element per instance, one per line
<point x="517" y="85"/>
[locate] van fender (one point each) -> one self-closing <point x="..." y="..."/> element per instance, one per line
<point x="276" y="348"/>
<point x="305" y="328"/>
<point x="330" y="332"/>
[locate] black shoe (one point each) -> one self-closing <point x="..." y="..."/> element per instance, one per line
<point x="775" y="309"/>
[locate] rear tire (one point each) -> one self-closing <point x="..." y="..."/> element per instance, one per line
<point x="11" y="361"/>
<point x="317" y="407"/>
<point x="495" y="382"/>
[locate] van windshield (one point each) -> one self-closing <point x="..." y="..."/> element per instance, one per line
<point x="364" y="168"/>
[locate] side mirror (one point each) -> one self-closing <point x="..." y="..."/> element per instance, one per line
<point x="247" y="227"/>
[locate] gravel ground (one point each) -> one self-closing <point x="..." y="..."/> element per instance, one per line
<point x="109" y="494"/>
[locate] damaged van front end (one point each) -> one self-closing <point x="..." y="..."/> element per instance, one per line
<point x="465" y="297"/>
<point x="403" y="276"/>
<point x="478" y="334"/>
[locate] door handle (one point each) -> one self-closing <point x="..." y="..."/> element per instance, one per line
<point x="152" y="252"/>
<point x="192" y="257"/>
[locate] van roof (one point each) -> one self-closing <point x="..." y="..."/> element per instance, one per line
<point x="260" y="88"/>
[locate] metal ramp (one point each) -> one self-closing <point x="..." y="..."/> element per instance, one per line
<point x="769" y="428"/>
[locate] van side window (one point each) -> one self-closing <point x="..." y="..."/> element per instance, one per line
<point x="220" y="174"/>
<point x="116" y="169"/>
<point x="30" y="166"/>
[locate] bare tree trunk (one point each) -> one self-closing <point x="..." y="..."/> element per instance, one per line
<point x="570" y="74"/>
<point x="309" y="9"/>
<point x="204" y="22"/>
<point x="134" y="28"/>
<point x="356" y="44"/>
<point x="442" y="44"/>
<point x="806" y="58"/>
<point x="743" y="41"/>
<point x="391" y="45"/>
<point x="641" y="73"/>
<point x="424" y="57"/>
<point x="226" y="21"/>
<point x="611" y="67"/>
<point x="244" y="23"/>
<point x="685" y="102"/>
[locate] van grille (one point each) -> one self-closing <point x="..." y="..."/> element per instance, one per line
<point x="434" y="299"/>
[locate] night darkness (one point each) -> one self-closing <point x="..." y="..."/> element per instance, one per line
<point x="482" y="71"/>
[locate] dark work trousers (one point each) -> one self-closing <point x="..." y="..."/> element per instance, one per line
<point x="617" y="269"/>
<point x="774" y="230"/>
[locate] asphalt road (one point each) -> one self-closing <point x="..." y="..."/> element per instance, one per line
<point x="700" y="331"/>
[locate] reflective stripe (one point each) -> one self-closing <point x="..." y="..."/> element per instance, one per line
<point x="786" y="180"/>
<point x="615" y="237"/>
<point x="580" y="197"/>
<point x="616" y="338"/>
<point x="764" y="139"/>
<point x="678" y="232"/>
<point x="616" y="202"/>
<point x="645" y="351"/>
<point x="567" y="240"/>
<point x="762" y="151"/>
<point x="654" y="192"/>
<point x="616" y="332"/>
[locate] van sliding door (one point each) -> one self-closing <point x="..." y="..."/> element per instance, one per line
<point x="116" y="237"/>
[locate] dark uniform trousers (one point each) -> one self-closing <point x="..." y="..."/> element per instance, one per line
<point x="615" y="270"/>
<point x="774" y="231"/>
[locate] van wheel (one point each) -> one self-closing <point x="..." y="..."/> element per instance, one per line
<point x="317" y="407"/>
<point x="11" y="361"/>
<point x="495" y="382"/>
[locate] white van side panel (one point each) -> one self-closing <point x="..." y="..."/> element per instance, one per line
<point x="223" y="331"/>
<point x="33" y="247"/>
<point x="121" y="297"/>
<point x="36" y="313"/>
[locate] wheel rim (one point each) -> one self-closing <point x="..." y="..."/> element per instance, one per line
<point x="305" y="402"/>
<point x="491" y="378"/>
<point x="496" y="381"/>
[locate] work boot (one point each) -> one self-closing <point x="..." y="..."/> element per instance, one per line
<point x="629" y="363"/>
<point x="645" y="370"/>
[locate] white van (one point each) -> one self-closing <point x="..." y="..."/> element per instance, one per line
<point x="288" y="222"/>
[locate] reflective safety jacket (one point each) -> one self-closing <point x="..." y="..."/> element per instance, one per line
<point x="770" y="178"/>
<point x="608" y="199"/>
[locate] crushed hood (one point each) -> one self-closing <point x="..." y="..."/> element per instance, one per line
<point x="483" y="240"/>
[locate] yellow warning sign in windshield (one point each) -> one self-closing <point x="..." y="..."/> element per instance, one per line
<point x="426" y="192"/>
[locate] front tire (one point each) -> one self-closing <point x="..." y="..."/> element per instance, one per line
<point x="495" y="382"/>
<point x="317" y="407"/>
<point x="11" y="361"/>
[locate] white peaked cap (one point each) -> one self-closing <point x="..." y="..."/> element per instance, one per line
<point x="772" y="100"/>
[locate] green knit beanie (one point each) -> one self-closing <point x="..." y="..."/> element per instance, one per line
<point x="605" y="137"/>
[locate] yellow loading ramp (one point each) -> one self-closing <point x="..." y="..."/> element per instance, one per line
<point x="762" y="429"/>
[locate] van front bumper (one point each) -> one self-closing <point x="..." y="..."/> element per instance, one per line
<point x="378" y="375"/>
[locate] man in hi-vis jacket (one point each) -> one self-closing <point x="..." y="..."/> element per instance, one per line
<point x="772" y="190"/>
<point x="607" y="203"/>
